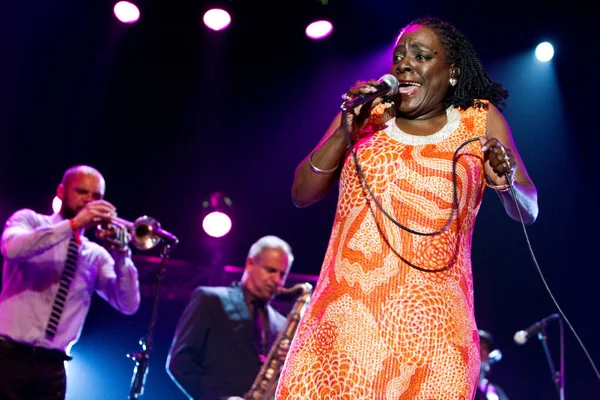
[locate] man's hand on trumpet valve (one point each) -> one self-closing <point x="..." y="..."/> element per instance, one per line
<point x="94" y="212"/>
<point x="117" y="236"/>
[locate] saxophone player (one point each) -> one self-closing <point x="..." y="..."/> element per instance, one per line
<point x="225" y="333"/>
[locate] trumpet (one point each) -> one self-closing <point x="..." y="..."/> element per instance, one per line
<point x="145" y="233"/>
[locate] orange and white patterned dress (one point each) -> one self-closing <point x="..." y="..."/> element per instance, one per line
<point x="392" y="314"/>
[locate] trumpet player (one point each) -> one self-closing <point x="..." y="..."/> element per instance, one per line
<point x="224" y="333"/>
<point x="50" y="273"/>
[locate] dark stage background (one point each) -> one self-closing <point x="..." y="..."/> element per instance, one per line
<point x="171" y="112"/>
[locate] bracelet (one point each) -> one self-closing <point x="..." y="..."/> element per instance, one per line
<point x="500" y="188"/>
<point x="75" y="230"/>
<point x="319" y="171"/>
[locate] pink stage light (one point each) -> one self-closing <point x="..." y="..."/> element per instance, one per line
<point x="216" y="19"/>
<point x="319" y="29"/>
<point x="216" y="224"/>
<point x="56" y="204"/>
<point x="126" y="12"/>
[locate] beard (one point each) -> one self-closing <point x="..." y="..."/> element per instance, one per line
<point x="66" y="211"/>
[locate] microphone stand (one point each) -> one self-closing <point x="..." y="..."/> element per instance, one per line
<point x="140" y="370"/>
<point x="557" y="376"/>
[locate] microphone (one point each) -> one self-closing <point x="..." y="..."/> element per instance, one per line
<point x="388" y="87"/>
<point x="521" y="337"/>
<point x="166" y="236"/>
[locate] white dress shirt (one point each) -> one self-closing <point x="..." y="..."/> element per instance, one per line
<point x="34" y="248"/>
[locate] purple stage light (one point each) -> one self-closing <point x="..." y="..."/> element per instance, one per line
<point x="319" y="29"/>
<point x="216" y="211"/>
<point x="56" y="204"/>
<point x="216" y="224"/>
<point x="126" y="12"/>
<point x="216" y="19"/>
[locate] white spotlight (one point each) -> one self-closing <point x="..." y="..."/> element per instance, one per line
<point x="544" y="52"/>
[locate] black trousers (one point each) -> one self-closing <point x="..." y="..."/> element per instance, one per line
<point x="31" y="373"/>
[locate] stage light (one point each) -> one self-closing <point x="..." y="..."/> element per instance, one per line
<point x="319" y="29"/>
<point x="216" y="19"/>
<point x="495" y="356"/>
<point x="126" y="12"/>
<point x="216" y="221"/>
<point x="56" y="204"/>
<point x="544" y="52"/>
<point x="216" y="224"/>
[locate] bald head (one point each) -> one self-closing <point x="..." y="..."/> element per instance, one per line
<point x="77" y="170"/>
<point x="80" y="185"/>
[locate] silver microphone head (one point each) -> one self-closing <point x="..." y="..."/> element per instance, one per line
<point x="392" y="82"/>
<point x="520" y="337"/>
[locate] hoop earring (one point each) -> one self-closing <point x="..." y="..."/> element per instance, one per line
<point x="453" y="81"/>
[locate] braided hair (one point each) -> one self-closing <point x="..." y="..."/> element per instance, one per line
<point x="474" y="83"/>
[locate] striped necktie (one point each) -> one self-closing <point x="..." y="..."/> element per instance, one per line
<point x="63" y="288"/>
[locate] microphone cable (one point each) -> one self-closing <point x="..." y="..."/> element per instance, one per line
<point x="539" y="271"/>
<point x="454" y="208"/>
<point x="378" y="204"/>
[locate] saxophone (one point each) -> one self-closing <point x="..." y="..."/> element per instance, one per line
<point x="265" y="384"/>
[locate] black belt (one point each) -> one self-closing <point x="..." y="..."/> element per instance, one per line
<point x="36" y="352"/>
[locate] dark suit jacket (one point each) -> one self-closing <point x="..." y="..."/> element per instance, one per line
<point x="213" y="355"/>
